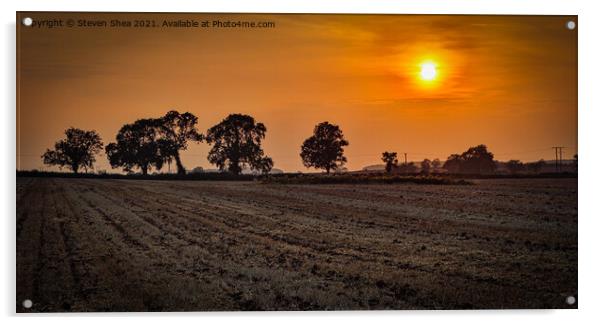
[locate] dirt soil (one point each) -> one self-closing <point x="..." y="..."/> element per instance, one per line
<point x="131" y="245"/>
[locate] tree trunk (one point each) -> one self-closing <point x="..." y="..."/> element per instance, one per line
<point x="144" y="170"/>
<point x="235" y="167"/>
<point x="75" y="168"/>
<point x="181" y="169"/>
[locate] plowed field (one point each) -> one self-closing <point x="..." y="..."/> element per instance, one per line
<point x="133" y="245"/>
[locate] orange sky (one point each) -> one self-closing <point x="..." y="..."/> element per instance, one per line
<point x="509" y="82"/>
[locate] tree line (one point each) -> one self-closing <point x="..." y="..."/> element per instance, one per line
<point x="476" y="160"/>
<point x="153" y="142"/>
<point x="237" y="144"/>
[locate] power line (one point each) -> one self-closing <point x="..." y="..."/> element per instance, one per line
<point x="558" y="154"/>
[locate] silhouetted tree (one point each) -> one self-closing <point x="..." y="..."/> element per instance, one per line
<point x="436" y="164"/>
<point x="425" y="165"/>
<point x="535" y="167"/>
<point x="237" y="144"/>
<point x="324" y="149"/>
<point x="197" y="170"/>
<point x="390" y="160"/>
<point x="515" y="166"/>
<point x="138" y="146"/>
<point x="407" y="168"/>
<point x="76" y="151"/>
<point x="575" y="162"/>
<point x="453" y="163"/>
<point x="176" y="129"/>
<point x="477" y="160"/>
<point x="264" y="165"/>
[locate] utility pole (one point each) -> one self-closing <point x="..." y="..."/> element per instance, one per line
<point x="405" y="158"/>
<point x="558" y="153"/>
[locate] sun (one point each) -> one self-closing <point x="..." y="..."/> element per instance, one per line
<point x="428" y="71"/>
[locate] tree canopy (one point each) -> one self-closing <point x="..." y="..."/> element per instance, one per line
<point x="324" y="149"/>
<point x="475" y="160"/>
<point x="77" y="150"/>
<point x="425" y="166"/>
<point x="176" y="129"/>
<point x="515" y="166"/>
<point x="390" y="160"/>
<point x="236" y="144"/>
<point x="436" y="164"/>
<point x="138" y="145"/>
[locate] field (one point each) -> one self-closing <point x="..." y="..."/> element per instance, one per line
<point x="143" y="245"/>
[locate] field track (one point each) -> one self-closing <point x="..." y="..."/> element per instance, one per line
<point x="130" y="245"/>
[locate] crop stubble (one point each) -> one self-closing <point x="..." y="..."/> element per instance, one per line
<point x="131" y="245"/>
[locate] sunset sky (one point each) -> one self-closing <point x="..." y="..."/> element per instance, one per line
<point x="509" y="82"/>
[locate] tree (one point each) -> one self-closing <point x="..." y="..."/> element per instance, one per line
<point x="176" y="130"/>
<point x="426" y="166"/>
<point x="138" y="145"/>
<point x="535" y="167"/>
<point x="197" y="170"/>
<point x="237" y="144"/>
<point x="436" y="164"/>
<point x="453" y="163"/>
<point x="390" y="160"/>
<point x="77" y="150"/>
<point x="324" y="149"/>
<point x="575" y="162"/>
<point x="408" y="168"/>
<point x="477" y="160"/>
<point x="264" y="165"/>
<point x="515" y="166"/>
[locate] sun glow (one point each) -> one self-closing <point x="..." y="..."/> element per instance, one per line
<point x="428" y="71"/>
